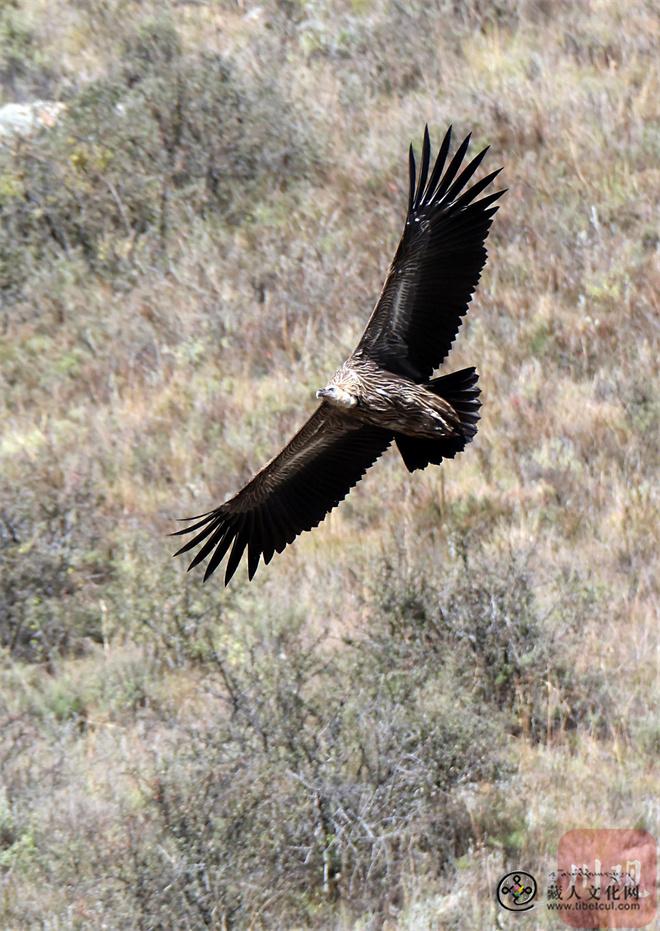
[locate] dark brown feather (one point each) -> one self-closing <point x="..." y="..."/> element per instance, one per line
<point x="382" y="391"/>
<point x="435" y="270"/>
<point x="460" y="390"/>
<point x="293" y="493"/>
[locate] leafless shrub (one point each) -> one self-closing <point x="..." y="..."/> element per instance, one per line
<point x="324" y="778"/>
<point x="485" y="623"/>
<point x="48" y="561"/>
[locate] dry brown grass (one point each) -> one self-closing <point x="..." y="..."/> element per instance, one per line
<point x="141" y="382"/>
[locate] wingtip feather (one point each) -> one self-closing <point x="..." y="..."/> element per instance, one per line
<point x="411" y="171"/>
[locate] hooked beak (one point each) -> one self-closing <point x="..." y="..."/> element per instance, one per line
<point x="336" y="396"/>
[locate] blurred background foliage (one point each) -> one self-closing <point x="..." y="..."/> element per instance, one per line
<point x="452" y="670"/>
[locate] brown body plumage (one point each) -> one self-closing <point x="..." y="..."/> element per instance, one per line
<point x="384" y="390"/>
<point x="386" y="399"/>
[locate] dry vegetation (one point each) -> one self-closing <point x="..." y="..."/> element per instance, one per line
<point x="453" y="669"/>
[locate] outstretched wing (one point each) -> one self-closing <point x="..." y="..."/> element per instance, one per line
<point x="436" y="267"/>
<point x="294" y="492"/>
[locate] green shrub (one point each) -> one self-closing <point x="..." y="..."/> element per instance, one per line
<point x="24" y="72"/>
<point x="165" y="137"/>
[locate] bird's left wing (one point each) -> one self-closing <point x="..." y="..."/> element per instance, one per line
<point x="294" y="492"/>
<point x="437" y="264"/>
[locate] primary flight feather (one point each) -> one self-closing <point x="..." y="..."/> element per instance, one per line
<point x="383" y="391"/>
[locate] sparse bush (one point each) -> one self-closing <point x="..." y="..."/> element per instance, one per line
<point x="324" y="778"/>
<point x="50" y="558"/>
<point x="485" y="623"/>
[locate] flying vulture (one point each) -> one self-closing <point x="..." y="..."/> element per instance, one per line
<point x="384" y="390"/>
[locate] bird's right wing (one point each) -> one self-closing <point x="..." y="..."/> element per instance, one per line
<point x="294" y="492"/>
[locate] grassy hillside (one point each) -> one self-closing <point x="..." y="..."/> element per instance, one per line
<point x="457" y="666"/>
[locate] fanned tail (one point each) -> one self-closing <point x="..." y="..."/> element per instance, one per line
<point x="459" y="388"/>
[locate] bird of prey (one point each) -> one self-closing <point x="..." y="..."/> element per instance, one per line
<point x="384" y="390"/>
